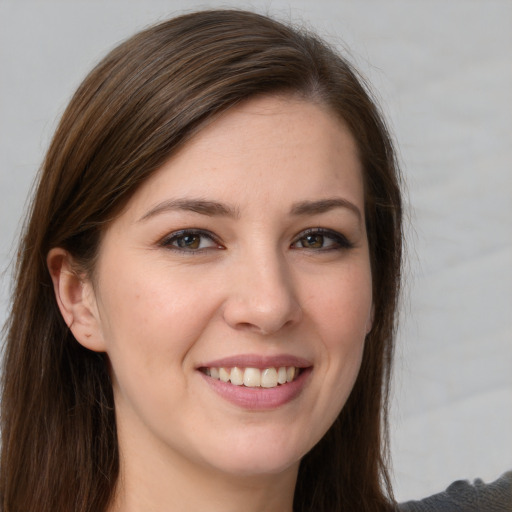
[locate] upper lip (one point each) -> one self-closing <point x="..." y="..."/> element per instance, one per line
<point x="257" y="361"/>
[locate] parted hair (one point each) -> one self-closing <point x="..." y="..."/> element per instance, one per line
<point x="141" y="103"/>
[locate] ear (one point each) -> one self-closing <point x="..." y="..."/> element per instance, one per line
<point x="76" y="300"/>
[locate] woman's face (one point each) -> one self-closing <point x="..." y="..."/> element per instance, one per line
<point x="244" y="257"/>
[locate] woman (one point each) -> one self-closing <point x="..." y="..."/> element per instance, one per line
<point x="206" y="287"/>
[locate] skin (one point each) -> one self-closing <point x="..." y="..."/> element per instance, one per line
<point x="258" y="286"/>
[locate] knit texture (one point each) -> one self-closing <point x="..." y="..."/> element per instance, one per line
<point x="462" y="496"/>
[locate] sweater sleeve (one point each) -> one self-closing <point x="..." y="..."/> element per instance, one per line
<point x="462" y="496"/>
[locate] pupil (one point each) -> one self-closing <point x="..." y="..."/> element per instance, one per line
<point x="314" y="241"/>
<point x="189" y="241"/>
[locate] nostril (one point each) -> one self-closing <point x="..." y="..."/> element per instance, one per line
<point x="246" y="326"/>
<point x="264" y="321"/>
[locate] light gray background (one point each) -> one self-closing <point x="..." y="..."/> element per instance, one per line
<point x="443" y="72"/>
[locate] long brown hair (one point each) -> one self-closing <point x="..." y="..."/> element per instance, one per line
<point x="142" y="102"/>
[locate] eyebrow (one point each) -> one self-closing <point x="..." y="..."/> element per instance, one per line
<point x="325" y="205"/>
<point x="204" y="207"/>
<point x="214" y="208"/>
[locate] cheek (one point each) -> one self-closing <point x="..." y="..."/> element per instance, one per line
<point x="152" y="324"/>
<point x="152" y="317"/>
<point x="342" y="312"/>
<point x="343" y="306"/>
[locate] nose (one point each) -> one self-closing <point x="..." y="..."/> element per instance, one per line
<point x="262" y="296"/>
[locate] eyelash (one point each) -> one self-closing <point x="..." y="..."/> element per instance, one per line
<point x="340" y="242"/>
<point x="168" y="241"/>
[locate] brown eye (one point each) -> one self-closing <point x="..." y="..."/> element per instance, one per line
<point x="312" y="241"/>
<point x="188" y="242"/>
<point x="321" y="240"/>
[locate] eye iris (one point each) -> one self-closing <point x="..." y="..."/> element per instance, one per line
<point x="313" y="241"/>
<point x="189" y="242"/>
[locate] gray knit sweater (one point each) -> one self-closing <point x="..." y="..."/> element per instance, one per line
<point x="463" y="496"/>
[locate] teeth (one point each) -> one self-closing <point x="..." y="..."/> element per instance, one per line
<point x="269" y="378"/>
<point x="281" y="375"/>
<point x="237" y="376"/>
<point x="223" y="375"/>
<point x="254" y="377"/>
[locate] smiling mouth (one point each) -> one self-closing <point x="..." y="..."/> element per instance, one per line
<point x="254" y="377"/>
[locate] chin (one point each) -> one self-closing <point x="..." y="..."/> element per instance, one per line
<point x="256" y="468"/>
<point x="264" y="457"/>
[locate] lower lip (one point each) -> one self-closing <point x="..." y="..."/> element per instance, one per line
<point x="259" y="398"/>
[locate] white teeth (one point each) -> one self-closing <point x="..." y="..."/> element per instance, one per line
<point x="269" y="378"/>
<point x="254" y="377"/>
<point x="223" y="375"/>
<point x="237" y="376"/>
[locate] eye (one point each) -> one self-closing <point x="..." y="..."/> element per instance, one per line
<point x="321" y="239"/>
<point x="190" y="240"/>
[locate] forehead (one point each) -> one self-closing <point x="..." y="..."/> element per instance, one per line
<point x="266" y="150"/>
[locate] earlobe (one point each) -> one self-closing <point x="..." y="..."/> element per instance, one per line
<point x="76" y="300"/>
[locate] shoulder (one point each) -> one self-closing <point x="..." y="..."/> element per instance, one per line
<point x="462" y="496"/>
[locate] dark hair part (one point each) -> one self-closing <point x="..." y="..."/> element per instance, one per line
<point x="141" y="103"/>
